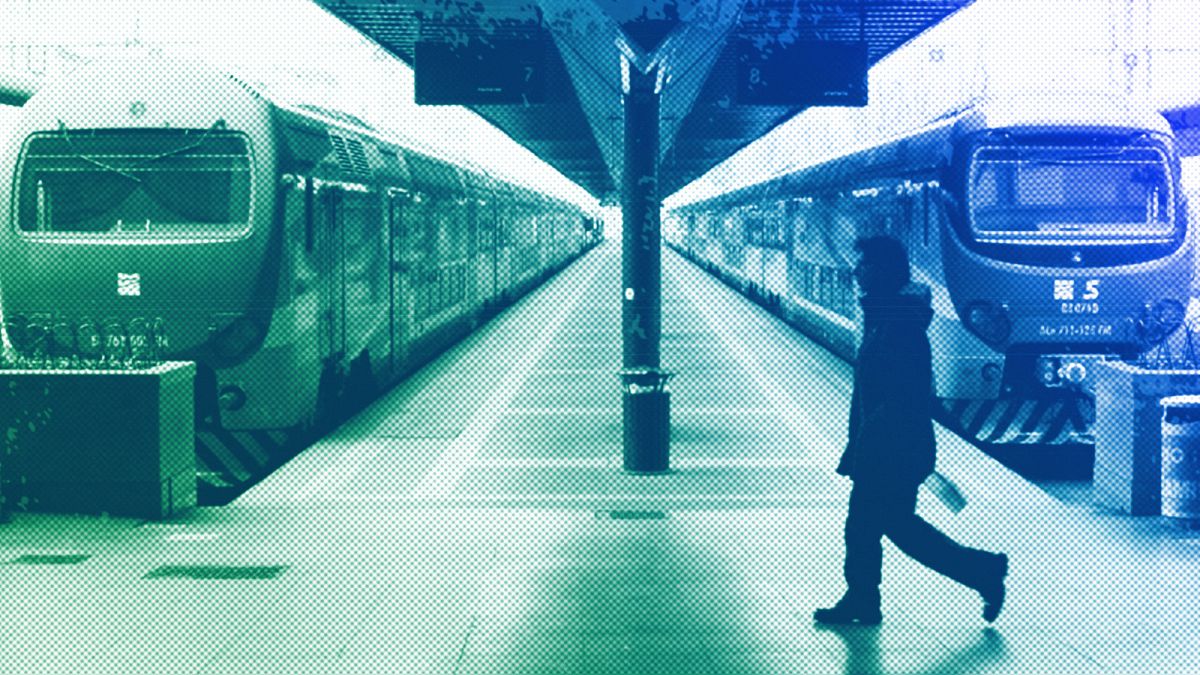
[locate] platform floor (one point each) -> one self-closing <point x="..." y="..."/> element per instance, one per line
<point x="475" y="520"/>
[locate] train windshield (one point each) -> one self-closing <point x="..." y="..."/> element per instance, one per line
<point x="173" y="183"/>
<point x="1076" y="195"/>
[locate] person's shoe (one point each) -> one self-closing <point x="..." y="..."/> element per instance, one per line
<point x="848" y="610"/>
<point x="993" y="592"/>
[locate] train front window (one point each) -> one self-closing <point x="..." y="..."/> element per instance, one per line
<point x="173" y="183"/>
<point x="1075" y="195"/>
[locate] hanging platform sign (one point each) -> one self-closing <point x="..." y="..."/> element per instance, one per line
<point x="480" y="71"/>
<point x="812" y="73"/>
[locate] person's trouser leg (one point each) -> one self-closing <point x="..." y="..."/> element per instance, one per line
<point x="931" y="547"/>
<point x="863" y="567"/>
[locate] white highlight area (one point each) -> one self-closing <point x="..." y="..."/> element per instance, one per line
<point x="794" y="416"/>
<point x="330" y="479"/>
<point x="294" y="49"/>
<point x="1035" y="52"/>
<point x="460" y="454"/>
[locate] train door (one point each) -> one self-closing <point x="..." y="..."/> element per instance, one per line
<point x="497" y="239"/>
<point x="323" y="263"/>
<point x="486" y="255"/>
<point x="334" y="274"/>
<point x="539" y="239"/>
<point x="472" y="289"/>
<point x="398" y="316"/>
<point x="322" y="233"/>
<point x="391" y="283"/>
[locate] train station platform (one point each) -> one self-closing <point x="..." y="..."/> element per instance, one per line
<point x="476" y="520"/>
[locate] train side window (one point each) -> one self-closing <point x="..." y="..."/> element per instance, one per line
<point x="485" y="228"/>
<point x="308" y="215"/>
<point x="925" y="212"/>
<point x="333" y="202"/>
<point x="907" y="207"/>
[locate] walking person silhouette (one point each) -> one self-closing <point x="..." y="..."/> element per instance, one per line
<point x="891" y="447"/>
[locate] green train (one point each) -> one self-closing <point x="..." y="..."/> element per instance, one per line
<point x="302" y="259"/>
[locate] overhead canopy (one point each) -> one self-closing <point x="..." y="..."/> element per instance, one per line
<point x="577" y="126"/>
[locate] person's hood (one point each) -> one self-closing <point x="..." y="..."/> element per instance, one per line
<point x="912" y="304"/>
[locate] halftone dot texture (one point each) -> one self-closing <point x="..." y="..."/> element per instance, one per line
<point x="509" y="569"/>
<point x="451" y="525"/>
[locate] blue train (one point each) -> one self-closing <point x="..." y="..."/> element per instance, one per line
<point x="1050" y="238"/>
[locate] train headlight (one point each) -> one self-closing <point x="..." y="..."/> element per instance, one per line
<point x="139" y="342"/>
<point x="62" y="339"/>
<point x="162" y="343"/>
<point x="989" y="321"/>
<point x="35" y="340"/>
<point x="15" y="328"/>
<point x="1048" y="368"/>
<point x="87" y="335"/>
<point x="1073" y="372"/>
<point x="116" y="344"/>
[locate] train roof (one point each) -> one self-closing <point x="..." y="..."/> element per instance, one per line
<point x="310" y="130"/>
<point x="1066" y="111"/>
<point x="437" y="170"/>
<point x="929" y="145"/>
<point x="428" y="170"/>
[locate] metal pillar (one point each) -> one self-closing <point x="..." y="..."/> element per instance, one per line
<point x="646" y="403"/>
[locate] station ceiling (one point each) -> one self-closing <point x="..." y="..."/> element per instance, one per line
<point x="579" y="129"/>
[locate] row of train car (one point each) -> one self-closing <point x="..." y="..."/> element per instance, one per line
<point x="302" y="259"/>
<point x="1051" y="237"/>
<point x="305" y="261"/>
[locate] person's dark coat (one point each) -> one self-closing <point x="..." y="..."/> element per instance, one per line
<point x="891" y="427"/>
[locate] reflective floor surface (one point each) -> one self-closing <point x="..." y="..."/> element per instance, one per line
<point x="476" y="520"/>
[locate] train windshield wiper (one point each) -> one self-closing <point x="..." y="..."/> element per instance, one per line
<point x="1044" y="155"/>
<point x="92" y="160"/>
<point x="1072" y="161"/>
<point x="1135" y="142"/>
<point x="1071" y="157"/>
<point x="219" y="124"/>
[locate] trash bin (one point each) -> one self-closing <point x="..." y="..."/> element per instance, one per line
<point x="646" y="406"/>
<point x="1181" y="458"/>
